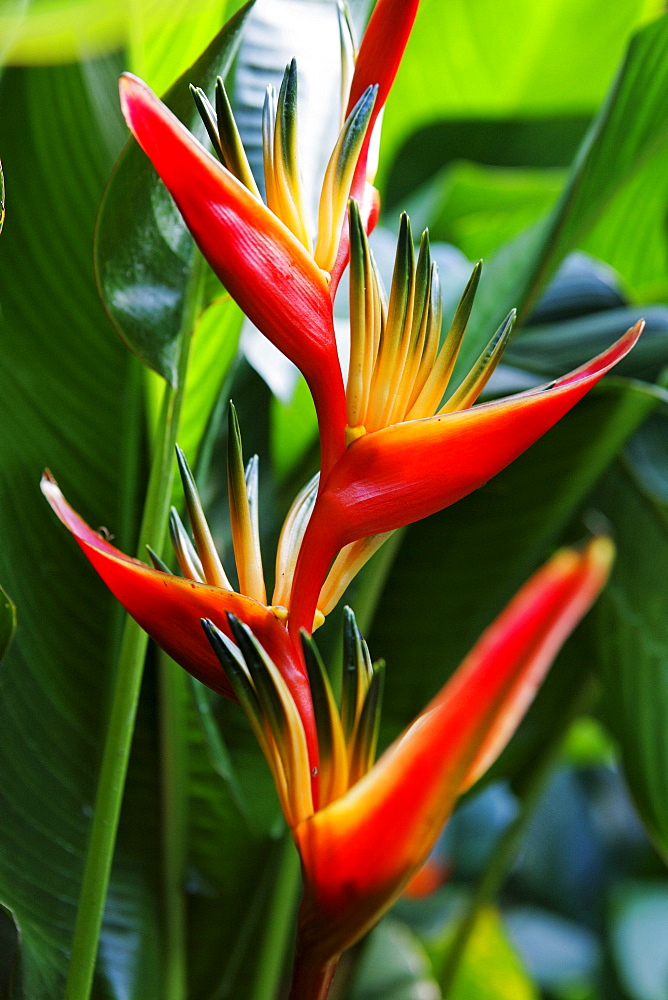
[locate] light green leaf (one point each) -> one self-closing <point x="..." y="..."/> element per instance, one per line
<point x="59" y="31"/>
<point x="631" y="235"/>
<point x="293" y="429"/>
<point x="630" y="131"/>
<point x="490" y="969"/>
<point x="70" y="400"/>
<point x="213" y="350"/>
<point x="516" y="60"/>
<point x="479" y="208"/>
<point x="162" y="47"/>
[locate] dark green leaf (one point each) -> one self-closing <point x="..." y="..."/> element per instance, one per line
<point x="632" y="628"/>
<point x="69" y="401"/>
<point x="7" y="622"/>
<point x="455" y="571"/>
<point x="551" y="349"/>
<point x="144" y="253"/>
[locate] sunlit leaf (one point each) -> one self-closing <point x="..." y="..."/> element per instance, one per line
<point x="476" y="60"/>
<point x="59" y="31"/>
<point x="67" y="402"/>
<point x="162" y="47"/>
<point x="491" y="969"/>
<point x="630" y="131"/>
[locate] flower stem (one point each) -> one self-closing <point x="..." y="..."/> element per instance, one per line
<point x="273" y="945"/>
<point x="492" y="878"/>
<point x="127" y="685"/>
<point x="174" y="773"/>
<point x="311" y="980"/>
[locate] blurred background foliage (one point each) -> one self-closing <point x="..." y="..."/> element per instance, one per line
<point x="514" y="134"/>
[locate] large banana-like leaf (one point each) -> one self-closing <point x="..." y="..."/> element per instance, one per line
<point x="69" y="401"/>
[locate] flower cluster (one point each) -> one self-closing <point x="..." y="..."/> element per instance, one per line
<point x="397" y="444"/>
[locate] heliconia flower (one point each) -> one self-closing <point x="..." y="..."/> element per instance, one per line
<point x="409" y="453"/>
<point x="263" y="254"/>
<point x="170" y="607"/>
<point x="377" y="822"/>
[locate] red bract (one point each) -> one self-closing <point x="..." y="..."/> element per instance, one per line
<point x="377" y="62"/>
<point x="261" y="263"/>
<point x="406" y="471"/>
<point x="360" y="851"/>
<point x="170" y="608"/>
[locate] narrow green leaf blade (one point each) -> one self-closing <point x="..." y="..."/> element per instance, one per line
<point x="7" y="622"/>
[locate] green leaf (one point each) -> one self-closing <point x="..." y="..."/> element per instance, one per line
<point x="160" y="33"/>
<point x="294" y="428"/>
<point x="70" y="401"/>
<point x="490" y="969"/>
<point x="630" y="132"/>
<point x="455" y="571"/>
<point x="7" y="622"/>
<point x="632" y="628"/>
<point x="484" y="59"/>
<point x="549" y="349"/>
<point x="144" y="253"/>
<point x="478" y="208"/>
<point x="631" y="235"/>
<point x="214" y="348"/>
<point x="162" y="47"/>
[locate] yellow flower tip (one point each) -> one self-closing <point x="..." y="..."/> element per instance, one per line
<point x="279" y="612"/>
<point x="595" y="557"/>
<point x="600" y="552"/>
<point x="318" y="619"/>
<point x="353" y="433"/>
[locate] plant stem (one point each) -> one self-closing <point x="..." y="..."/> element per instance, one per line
<point x="311" y="980"/>
<point x="127" y="685"/>
<point x="174" y="774"/>
<point x="492" y="879"/>
<point x="272" y="947"/>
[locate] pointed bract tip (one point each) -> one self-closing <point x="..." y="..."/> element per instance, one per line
<point x="600" y="552"/>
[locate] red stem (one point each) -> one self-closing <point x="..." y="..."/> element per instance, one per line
<point x="311" y="979"/>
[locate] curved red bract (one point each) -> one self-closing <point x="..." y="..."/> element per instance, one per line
<point x="402" y="473"/>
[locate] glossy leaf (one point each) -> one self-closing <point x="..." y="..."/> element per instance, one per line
<point x="144" y="253"/>
<point x="481" y="60"/>
<point x="630" y="131"/>
<point x="632" y="629"/>
<point x="69" y="399"/>
<point x="455" y="570"/>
